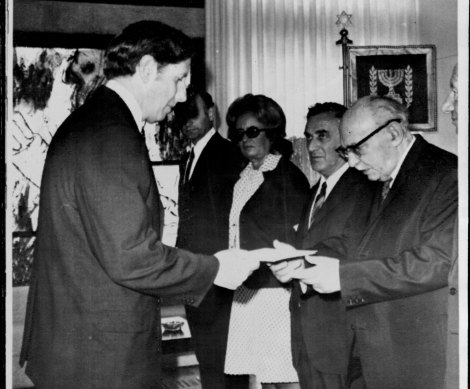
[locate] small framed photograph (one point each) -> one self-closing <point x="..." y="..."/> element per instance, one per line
<point x="404" y="73"/>
<point x="167" y="178"/>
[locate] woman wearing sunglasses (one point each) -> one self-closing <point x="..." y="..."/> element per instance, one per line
<point x="267" y="203"/>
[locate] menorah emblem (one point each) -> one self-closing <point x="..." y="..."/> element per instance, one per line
<point x="392" y="78"/>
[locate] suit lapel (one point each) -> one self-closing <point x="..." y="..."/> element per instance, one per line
<point x="335" y="197"/>
<point x="303" y="227"/>
<point x="331" y="201"/>
<point x="204" y="158"/>
<point x="401" y="180"/>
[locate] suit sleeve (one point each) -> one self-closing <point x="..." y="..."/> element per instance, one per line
<point x="115" y="194"/>
<point x="421" y="268"/>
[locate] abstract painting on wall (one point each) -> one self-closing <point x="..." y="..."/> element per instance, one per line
<point x="48" y="84"/>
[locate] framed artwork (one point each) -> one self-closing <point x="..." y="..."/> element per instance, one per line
<point x="167" y="178"/>
<point x="404" y="73"/>
<point x="48" y="84"/>
<point x="53" y="74"/>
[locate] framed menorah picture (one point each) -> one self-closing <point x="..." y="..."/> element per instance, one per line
<point x="404" y="73"/>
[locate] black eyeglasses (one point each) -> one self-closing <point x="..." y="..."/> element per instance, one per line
<point x="354" y="148"/>
<point x="250" y="132"/>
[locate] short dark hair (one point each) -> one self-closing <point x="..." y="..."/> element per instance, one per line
<point x="267" y="112"/>
<point x="165" y="44"/>
<point x="336" y="109"/>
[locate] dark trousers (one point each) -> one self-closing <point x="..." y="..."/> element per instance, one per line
<point x="311" y="378"/>
<point x="209" y="330"/>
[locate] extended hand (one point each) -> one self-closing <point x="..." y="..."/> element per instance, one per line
<point x="323" y="276"/>
<point x="235" y="266"/>
<point x="283" y="270"/>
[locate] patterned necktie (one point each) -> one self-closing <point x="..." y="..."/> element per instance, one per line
<point x="187" y="171"/>
<point x="386" y="189"/>
<point x="319" y="200"/>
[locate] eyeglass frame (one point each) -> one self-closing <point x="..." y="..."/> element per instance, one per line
<point x="344" y="151"/>
<point x="239" y="133"/>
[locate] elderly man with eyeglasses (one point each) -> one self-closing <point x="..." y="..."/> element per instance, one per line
<point x="394" y="284"/>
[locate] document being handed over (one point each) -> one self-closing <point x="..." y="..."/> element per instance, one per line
<point x="280" y="253"/>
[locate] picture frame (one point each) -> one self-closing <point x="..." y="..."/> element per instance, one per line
<point x="63" y="70"/>
<point x="167" y="175"/>
<point x="404" y="73"/>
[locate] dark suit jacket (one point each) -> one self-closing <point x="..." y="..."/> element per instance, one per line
<point x="93" y="318"/>
<point x="204" y="206"/>
<point x="271" y="213"/>
<point x="204" y="202"/>
<point x="452" y="366"/>
<point x="319" y="320"/>
<point x="395" y="284"/>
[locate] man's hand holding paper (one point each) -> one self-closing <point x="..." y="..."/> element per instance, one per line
<point x="235" y="266"/>
<point x="323" y="275"/>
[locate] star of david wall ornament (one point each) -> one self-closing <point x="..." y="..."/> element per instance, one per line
<point x="406" y="74"/>
<point x="344" y="19"/>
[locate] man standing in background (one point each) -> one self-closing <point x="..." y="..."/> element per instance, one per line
<point x="342" y="196"/>
<point x="207" y="176"/>
<point x="452" y="371"/>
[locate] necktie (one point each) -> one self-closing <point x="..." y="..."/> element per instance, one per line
<point x="319" y="200"/>
<point x="187" y="171"/>
<point x="386" y="189"/>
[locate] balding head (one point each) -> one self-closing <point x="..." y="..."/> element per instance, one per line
<point x="375" y="134"/>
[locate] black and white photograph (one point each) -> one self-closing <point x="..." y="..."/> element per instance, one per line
<point x="235" y="194"/>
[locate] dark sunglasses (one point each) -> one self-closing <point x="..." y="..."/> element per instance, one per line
<point x="251" y="132"/>
<point x="354" y="148"/>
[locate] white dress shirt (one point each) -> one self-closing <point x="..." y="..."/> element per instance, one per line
<point x="330" y="184"/>
<point x="199" y="146"/>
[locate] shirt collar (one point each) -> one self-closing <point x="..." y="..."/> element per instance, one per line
<point x="201" y="143"/>
<point x="400" y="162"/>
<point x="333" y="179"/>
<point x="129" y="100"/>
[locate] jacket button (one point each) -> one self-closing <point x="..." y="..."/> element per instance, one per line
<point x="453" y="291"/>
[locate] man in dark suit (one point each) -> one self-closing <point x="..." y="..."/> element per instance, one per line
<point x="93" y="317"/>
<point x="207" y="176"/>
<point x="394" y="283"/>
<point x="451" y="106"/>
<point x="342" y="195"/>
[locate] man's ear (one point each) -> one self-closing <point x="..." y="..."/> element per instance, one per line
<point x="147" y="68"/>
<point x="211" y="114"/>
<point x="396" y="133"/>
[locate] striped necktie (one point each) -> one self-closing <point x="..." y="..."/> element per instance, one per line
<point x="386" y="188"/>
<point x="187" y="171"/>
<point x="319" y="200"/>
